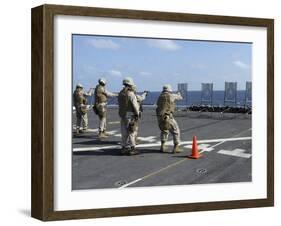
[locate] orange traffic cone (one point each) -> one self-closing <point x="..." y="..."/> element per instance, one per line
<point x="195" y="153"/>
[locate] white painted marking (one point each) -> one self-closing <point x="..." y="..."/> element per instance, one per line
<point x="96" y="148"/>
<point x="203" y="147"/>
<point x="168" y="143"/>
<point x="133" y="182"/>
<point x="218" y="144"/>
<point x="118" y="135"/>
<point x="236" y="136"/>
<point x="88" y="130"/>
<point x="114" y="122"/>
<point x="93" y="130"/>
<point x="236" y="152"/>
<point x="111" y="132"/>
<point x="150" y="139"/>
<point x="220" y="140"/>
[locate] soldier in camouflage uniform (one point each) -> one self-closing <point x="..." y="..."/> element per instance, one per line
<point x="100" y="106"/>
<point x="167" y="123"/>
<point x="129" y="111"/>
<point x="80" y="103"/>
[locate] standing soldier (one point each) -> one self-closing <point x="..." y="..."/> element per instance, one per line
<point x="167" y="123"/>
<point x="80" y="103"/>
<point x="129" y="111"/>
<point x="100" y="107"/>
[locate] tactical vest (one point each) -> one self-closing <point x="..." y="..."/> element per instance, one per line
<point x="78" y="98"/>
<point x="100" y="96"/>
<point x="165" y="105"/>
<point x="123" y="101"/>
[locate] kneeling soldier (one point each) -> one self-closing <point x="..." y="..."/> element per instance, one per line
<point x="129" y="113"/>
<point x="100" y="107"/>
<point x="167" y="123"/>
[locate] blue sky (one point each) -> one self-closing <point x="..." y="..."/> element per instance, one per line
<point x="155" y="62"/>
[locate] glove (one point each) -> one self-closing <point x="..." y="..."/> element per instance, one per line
<point x="179" y="93"/>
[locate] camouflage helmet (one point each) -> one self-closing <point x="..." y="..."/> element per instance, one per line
<point x="128" y="81"/>
<point x="102" y="81"/>
<point x="79" y="85"/>
<point x="167" y="88"/>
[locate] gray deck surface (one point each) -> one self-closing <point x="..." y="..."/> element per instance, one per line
<point x="98" y="164"/>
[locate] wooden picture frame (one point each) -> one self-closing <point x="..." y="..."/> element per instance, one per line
<point x="42" y="204"/>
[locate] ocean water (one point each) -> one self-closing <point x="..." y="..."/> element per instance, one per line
<point x="193" y="98"/>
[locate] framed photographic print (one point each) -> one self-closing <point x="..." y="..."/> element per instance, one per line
<point x="141" y="112"/>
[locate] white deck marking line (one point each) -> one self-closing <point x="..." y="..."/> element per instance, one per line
<point x="168" y="143"/>
<point x="114" y="122"/>
<point x="150" y="139"/>
<point x="92" y="130"/>
<point x="213" y="146"/>
<point x="203" y="147"/>
<point x="112" y="132"/>
<point x="95" y="148"/>
<point x="226" y="140"/>
<point x="153" y="173"/>
<point x="117" y="135"/>
<point x="133" y="182"/>
<point x="88" y="130"/>
<point x="236" y="152"/>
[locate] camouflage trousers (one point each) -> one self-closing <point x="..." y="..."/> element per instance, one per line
<point x="169" y="126"/>
<point x="129" y="132"/>
<point x="102" y="113"/>
<point x="81" y="118"/>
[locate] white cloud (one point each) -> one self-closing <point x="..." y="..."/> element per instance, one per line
<point x="103" y="44"/>
<point x="145" y="73"/>
<point x="240" y="64"/>
<point x="164" y="44"/>
<point x="115" y="73"/>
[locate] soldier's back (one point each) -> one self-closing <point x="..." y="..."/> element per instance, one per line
<point x="164" y="104"/>
<point x="123" y="101"/>
<point x="78" y="97"/>
<point x="100" y="96"/>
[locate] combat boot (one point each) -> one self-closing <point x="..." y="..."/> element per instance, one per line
<point x="133" y="151"/>
<point x="101" y="135"/>
<point x="176" y="149"/>
<point x="163" y="147"/>
<point x="124" y="151"/>
<point x="105" y="133"/>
